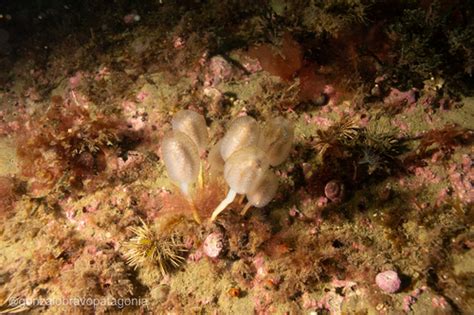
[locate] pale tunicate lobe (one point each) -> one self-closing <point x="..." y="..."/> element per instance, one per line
<point x="181" y="157"/>
<point x="243" y="132"/>
<point x="264" y="190"/>
<point x="244" y="168"/>
<point x="193" y="125"/>
<point x="277" y="140"/>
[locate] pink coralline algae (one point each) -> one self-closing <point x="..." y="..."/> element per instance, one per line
<point x="252" y="65"/>
<point x="213" y="245"/>
<point x="134" y="159"/>
<point x="76" y="80"/>
<point x="439" y="302"/>
<point x="411" y="299"/>
<point x="262" y="272"/>
<point x="142" y="96"/>
<point x="219" y="70"/>
<point x="388" y="281"/>
<point x="399" y="97"/>
<point x="461" y="178"/>
<point x="179" y="43"/>
<point x="196" y="256"/>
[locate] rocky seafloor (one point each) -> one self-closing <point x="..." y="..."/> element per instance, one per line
<point x="373" y="213"/>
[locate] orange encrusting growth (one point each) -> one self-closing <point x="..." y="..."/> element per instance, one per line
<point x="205" y="200"/>
<point x="284" y="64"/>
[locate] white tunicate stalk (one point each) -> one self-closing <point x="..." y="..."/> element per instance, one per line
<point x="193" y="125"/>
<point x="224" y="203"/>
<point x="277" y="140"/>
<point x="243" y="132"/>
<point x="262" y="192"/>
<point x="242" y="171"/>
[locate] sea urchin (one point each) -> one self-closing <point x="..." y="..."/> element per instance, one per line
<point x="150" y="250"/>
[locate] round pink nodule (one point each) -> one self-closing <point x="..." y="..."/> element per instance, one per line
<point x="388" y="281"/>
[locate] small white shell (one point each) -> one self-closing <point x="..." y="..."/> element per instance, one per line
<point x="181" y="157"/>
<point x="193" y="125"/>
<point x="243" y="132"/>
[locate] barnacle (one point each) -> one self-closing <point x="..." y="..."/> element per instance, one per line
<point x="148" y="249"/>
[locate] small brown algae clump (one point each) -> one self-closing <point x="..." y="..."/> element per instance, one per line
<point x="243" y="132"/>
<point x="277" y="140"/>
<point x="181" y="158"/>
<point x="193" y="125"/>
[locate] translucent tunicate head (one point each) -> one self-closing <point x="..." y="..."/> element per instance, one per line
<point x="181" y="157"/>
<point x="264" y="190"/>
<point x="216" y="162"/>
<point x="277" y="140"/>
<point x="244" y="168"/>
<point x="243" y="132"/>
<point x="193" y="125"/>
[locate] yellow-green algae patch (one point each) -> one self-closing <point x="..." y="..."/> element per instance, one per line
<point x="8" y="158"/>
<point x="203" y="282"/>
